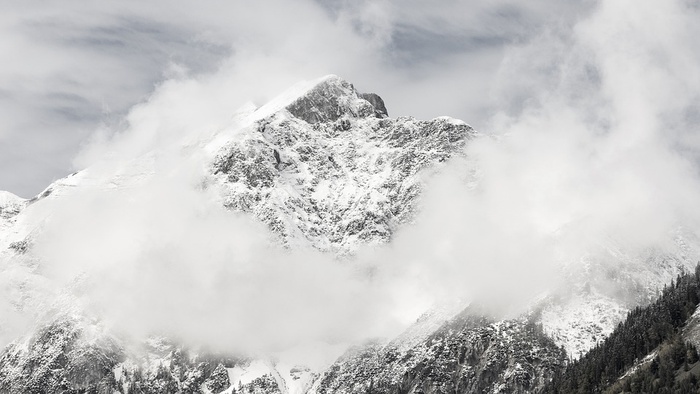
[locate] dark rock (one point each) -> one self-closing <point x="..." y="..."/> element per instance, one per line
<point x="20" y="247"/>
<point x="323" y="102"/>
<point x="341" y="155"/>
<point x="329" y="101"/>
<point x="248" y="164"/>
<point x="470" y="354"/>
<point x="278" y="160"/>
<point x="378" y="104"/>
<point x="59" y="360"/>
<point x="349" y="176"/>
<point x="344" y="125"/>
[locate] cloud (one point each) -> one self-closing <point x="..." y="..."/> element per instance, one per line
<point x="165" y="259"/>
<point x="163" y="256"/>
<point x="594" y="125"/>
<point x="600" y="148"/>
<point x="590" y="158"/>
<point x="72" y="67"/>
<point x="78" y="67"/>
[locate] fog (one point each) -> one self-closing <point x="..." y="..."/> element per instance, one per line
<point x="72" y="67"/>
<point x="592" y="134"/>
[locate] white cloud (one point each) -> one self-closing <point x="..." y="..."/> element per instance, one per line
<point x="73" y="66"/>
<point x="597" y="137"/>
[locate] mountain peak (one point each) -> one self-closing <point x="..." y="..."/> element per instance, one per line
<point x="331" y="98"/>
<point x="9" y="198"/>
<point x="325" y="99"/>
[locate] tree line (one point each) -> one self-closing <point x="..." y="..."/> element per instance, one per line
<point x="643" y="331"/>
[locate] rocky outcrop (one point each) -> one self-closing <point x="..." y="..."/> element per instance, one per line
<point x="331" y="99"/>
<point x="61" y="357"/>
<point x="329" y="173"/>
<point x="10" y="207"/>
<point x="327" y="169"/>
<point x="75" y="356"/>
<point x="378" y="104"/>
<point x="470" y="354"/>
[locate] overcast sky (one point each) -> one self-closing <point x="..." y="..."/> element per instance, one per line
<point x="70" y="68"/>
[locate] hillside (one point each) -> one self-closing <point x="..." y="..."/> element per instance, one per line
<point x="645" y="353"/>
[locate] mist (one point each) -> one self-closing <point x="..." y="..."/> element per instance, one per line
<point x="74" y="67"/>
<point x="591" y="133"/>
<point x="601" y="156"/>
<point x="164" y="257"/>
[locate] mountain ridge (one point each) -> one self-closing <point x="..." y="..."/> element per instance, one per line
<point x="323" y="168"/>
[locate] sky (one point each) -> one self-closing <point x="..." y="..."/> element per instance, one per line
<point x="73" y="70"/>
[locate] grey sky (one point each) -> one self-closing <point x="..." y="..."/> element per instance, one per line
<point x="70" y="68"/>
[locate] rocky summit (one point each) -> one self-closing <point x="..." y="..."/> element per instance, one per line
<point x="322" y="166"/>
<point x="332" y="170"/>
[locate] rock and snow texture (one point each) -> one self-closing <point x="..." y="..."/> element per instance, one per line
<point x="10" y="207"/>
<point x="332" y="171"/>
<point x="606" y="283"/>
<point x="324" y="167"/>
<point x="581" y="322"/>
<point x="468" y="354"/>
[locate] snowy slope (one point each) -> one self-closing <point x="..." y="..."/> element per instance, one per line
<point x="323" y="167"/>
<point x="607" y="282"/>
<point x="10" y="206"/>
<point x="348" y="178"/>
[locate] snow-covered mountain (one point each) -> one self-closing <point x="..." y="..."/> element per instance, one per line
<point x="331" y="169"/>
<point x="10" y="206"/>
<point x="325" y="168"/>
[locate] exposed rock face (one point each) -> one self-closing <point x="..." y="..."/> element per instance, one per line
<point x="61" y="357"/>
<point x="348" y="178"/>
<point x="378" y="104"/>
<point x="327" y="168"/>
<point x="332" y="99"/>
<point x="10" y="207"/>
<point x="469" y="354"/>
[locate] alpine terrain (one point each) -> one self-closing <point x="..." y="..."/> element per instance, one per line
<point x="323" y="168"/>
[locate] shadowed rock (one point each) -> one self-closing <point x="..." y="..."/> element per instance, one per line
<point x="378" y="104"/>
<point x="334" y="98"/>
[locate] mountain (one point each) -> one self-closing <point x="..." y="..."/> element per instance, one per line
<point x="652" y="350"/>
<point x="322" y="167"/>
<point x="10" y="206"/>
<point x="332" y="171"/>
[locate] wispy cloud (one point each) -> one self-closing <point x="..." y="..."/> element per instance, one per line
<point x="72" y="67"/>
